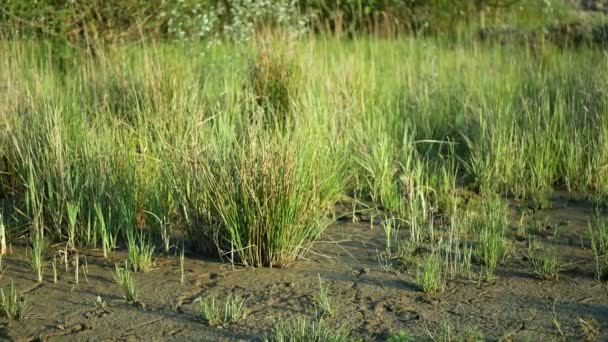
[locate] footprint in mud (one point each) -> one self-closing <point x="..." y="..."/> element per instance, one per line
<point x="202" y="280"/>
<point x="97" y="313"/>
<point x="185" y="299"/>
<point x="73" y="328"/>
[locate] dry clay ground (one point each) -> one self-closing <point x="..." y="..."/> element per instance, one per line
<point x="373" y="303"/>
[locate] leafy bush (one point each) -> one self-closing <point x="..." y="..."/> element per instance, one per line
<point x="90" y="23"/>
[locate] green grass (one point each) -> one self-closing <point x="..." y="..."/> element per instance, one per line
<point x="402" y="336"/>
<point x="216" y="312"/>
<point x="487" y="222"/>
<point x="124" y="278"/>
<point x="323" y="301"/>
<point x="446" y="333"/>
<point x="13" y="305"/>
<point x="100" y="303"/>
<point x="546" y="265"/>
<point x="248" y="148"/>
<point x="303" y="330"/>
<point x="140" y="252"/>
<point x="598" y="231"/>
<point x="182" y="261"/>
<point x="431" y="276"/>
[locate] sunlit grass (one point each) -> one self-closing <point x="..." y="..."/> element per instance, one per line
<point x="249" y="148"/>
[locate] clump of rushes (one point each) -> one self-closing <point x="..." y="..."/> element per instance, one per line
<point x="124" y="278"/>
<point x="303" y="330"/>
<point x="431" y="277"/>
<point x="598" y="232"/>
<point x="546" y="265"/>
<point x="141" y="252"/>
<point x="323" y="301"/>
<point x="216" y="312"/>
<point x="262" y="200"/>
<point x="36" y="253"/>
<point x="12" y="304"/>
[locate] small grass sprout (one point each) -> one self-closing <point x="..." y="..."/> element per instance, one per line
<point x="546" y="265"/>
<point x="141" y="252"/>
<point x="323" y="301"/>
<point x="124" y="278"/>
<point x="430" y="276"/>
<point x="54" y="266"/>
<point x="303" y="330"/>
<point x="598" y="232"/>
<point x="36" y="254"/>
<point x="100" y="303"/>
<point x="13" y="305"/>
<point x="216" y="312"/>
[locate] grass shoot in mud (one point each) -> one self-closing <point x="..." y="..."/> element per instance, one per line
<point x="598" y="231"/>
<point x="125" y="279"/>
<point x="140" y="251"/>
<point x="54" y="267"/>
<point x="430" y="276"/>
<point x="36" y="254"/>
<point x="545" y="264"/>
<point x="13" y="304"/>
<point x="182" y="261"/>
<point x="323" y="301"/>
<point x="299" y="329"/>
<point x="216" y="312"/>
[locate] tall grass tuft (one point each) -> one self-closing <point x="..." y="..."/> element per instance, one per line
<point x="431" y="277"/>
<point x="263" y="200"/>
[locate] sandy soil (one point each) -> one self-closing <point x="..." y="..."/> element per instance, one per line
<point x="374" y="303"/>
